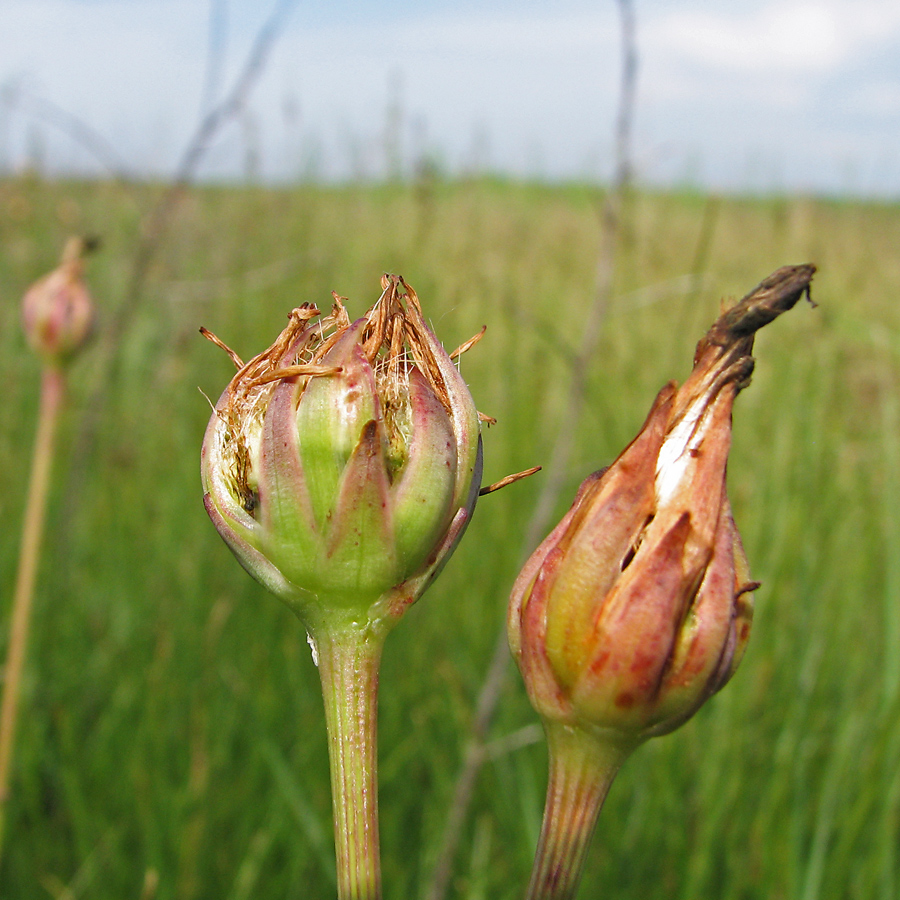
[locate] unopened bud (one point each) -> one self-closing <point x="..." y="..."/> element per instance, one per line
<point x="57" y="310"/>
<point x="637" y="607"/>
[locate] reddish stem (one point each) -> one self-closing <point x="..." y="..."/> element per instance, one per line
<point x="582" y="767"/>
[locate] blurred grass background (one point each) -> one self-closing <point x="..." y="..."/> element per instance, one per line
<point x="172" y="740"/>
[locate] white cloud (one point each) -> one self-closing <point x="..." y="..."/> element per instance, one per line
<point x="775" y="36"/>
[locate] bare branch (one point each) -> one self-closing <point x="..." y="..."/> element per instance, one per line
<point x="611" y="214"/>
<point x="219" y="116"/>
<point x="73" y="127"/>
<point x="495" y="677"/>
<point x="160" y="220"/>
<point x="215" y="54"/>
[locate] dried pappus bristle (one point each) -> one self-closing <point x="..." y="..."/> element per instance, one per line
<point x="296" y="352"/>
<point x="395" y="334"/>
<point x="234" y="449"/>
<point x="465" y="346"/>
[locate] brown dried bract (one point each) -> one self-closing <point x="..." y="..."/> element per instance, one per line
<point x="296" y="352"/>
<point x="395" y="338"/>
<point x="734" y="329"/>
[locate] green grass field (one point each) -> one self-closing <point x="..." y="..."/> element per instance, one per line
<point x="172" y="742"/>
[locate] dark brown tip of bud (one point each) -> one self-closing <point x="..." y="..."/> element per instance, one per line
<point x="769" y="299"/>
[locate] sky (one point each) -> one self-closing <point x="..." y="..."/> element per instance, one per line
<point x="741" y="95"/>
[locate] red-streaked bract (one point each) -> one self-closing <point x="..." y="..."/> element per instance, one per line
<point x="342" y="465"/>
<point x="638" y="606"/>
<point x="57" y="310"/>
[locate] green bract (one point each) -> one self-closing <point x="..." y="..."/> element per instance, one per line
<point x="342" y="465"/>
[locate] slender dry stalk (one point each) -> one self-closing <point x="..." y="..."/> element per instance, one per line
<point x="57" y="317"/>
<point x="498" y="669"/>
<point x="75" y="128"/>
<point x="159" y="222"/>
<point x="52" y="391"/>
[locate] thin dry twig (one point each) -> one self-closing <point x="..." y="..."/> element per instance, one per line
<point x="508" y="480"/>
<point x="72" y="126"/>
<point x="220" y="115"/>
<point x="108" y="353"/>
<point x="492" y="686"/>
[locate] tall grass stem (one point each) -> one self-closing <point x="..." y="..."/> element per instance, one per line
<point x="556" y="471"/>
<point x="52" y="393"/>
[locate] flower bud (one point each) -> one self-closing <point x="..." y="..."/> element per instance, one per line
<point x="637" y="607"/>
<point x="342" y="464"/>
<point x="57" y="310"/>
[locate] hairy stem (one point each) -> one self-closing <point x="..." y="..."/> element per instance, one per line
<point x="582" y="768"/>
<point x="52" y="391"/>
<point x="348" y="659"/>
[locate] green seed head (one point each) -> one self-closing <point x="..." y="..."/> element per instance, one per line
<point x="342" y="464"/>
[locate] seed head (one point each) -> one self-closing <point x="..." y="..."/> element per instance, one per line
<point x="342" y="464"/>
<point x="57" y="310"/>
<point x="638" y="606"/>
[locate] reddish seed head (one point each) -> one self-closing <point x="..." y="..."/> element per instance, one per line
<point x="637" y="607"/>
<point x="57" y="310"/>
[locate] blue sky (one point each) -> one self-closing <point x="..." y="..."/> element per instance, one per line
<point x="734" y="94"/>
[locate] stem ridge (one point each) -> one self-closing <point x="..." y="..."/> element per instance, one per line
<point x="348" y="660"/>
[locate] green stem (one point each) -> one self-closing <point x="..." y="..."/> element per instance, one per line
<point x="348" y="659"/>
<point x="52" y="391"/>
<point x="582" y="767"/>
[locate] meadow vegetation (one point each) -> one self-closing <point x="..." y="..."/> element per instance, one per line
<point x="172" y="742"/>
